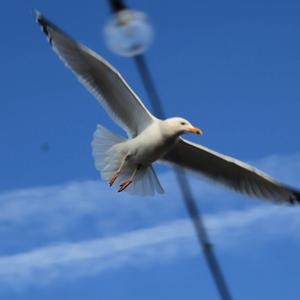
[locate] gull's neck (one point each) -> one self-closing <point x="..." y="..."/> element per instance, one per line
<point x="168" y="131"/>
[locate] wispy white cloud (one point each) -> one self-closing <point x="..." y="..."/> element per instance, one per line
<point x="162" y="242"/>
<point x="80" y="210"/>
<point x="81" y="228"/>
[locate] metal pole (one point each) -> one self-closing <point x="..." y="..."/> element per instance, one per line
<point x="190" y="203"/>
<point x="189" y="200"/>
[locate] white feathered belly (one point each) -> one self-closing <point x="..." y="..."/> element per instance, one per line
<point x="109" y="150"/>
<point x="146" y="149"/>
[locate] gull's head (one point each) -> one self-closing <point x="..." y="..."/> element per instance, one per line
<point x="180" y="126"/>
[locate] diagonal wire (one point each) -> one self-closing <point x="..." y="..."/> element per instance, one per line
<point x="186" y="191"/>
<point x="189" y="200"/>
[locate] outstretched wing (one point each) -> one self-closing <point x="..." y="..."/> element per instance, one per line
<point x="100" y="78"/>
<point x="230" y="172"/>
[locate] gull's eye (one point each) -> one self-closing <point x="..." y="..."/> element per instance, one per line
<point x="182" y="123"/>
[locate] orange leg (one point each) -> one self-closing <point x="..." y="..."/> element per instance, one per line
<point x="118" y="172"/>
<point x="127" y="182"/>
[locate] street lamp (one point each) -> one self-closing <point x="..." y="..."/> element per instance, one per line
<point x="128" y="32"/>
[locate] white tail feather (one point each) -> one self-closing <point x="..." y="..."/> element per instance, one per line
<point x="108" y="159"/>
<point x="145" y="183"/>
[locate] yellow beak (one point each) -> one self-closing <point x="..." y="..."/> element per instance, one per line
<point x="195" y="130"/>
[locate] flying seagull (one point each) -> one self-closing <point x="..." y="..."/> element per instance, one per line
<point x="128" y="162"/>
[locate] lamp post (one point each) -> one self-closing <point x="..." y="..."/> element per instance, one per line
<point x="129" y="33"/>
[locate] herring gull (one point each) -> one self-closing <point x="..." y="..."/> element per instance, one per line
<point x="128" y="162"/>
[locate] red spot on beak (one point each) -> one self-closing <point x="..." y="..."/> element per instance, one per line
<point x="195" y="130"/>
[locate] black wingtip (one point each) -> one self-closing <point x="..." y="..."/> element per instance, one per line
<point x="294" y="198"/>
<point x="297" y="197"/>
<point x="43" y="22"/>
<point x="39" y="18"/>
<point x="48" y="27"/>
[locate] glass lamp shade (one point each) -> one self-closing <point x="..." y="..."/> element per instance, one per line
<point x="128" y="33"/>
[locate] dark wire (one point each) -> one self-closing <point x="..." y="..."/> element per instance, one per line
<point x="186" y="191"/>
<point x="117" y="5"/>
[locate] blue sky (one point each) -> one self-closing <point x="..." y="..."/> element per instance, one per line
<point x="230" y="67"/>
